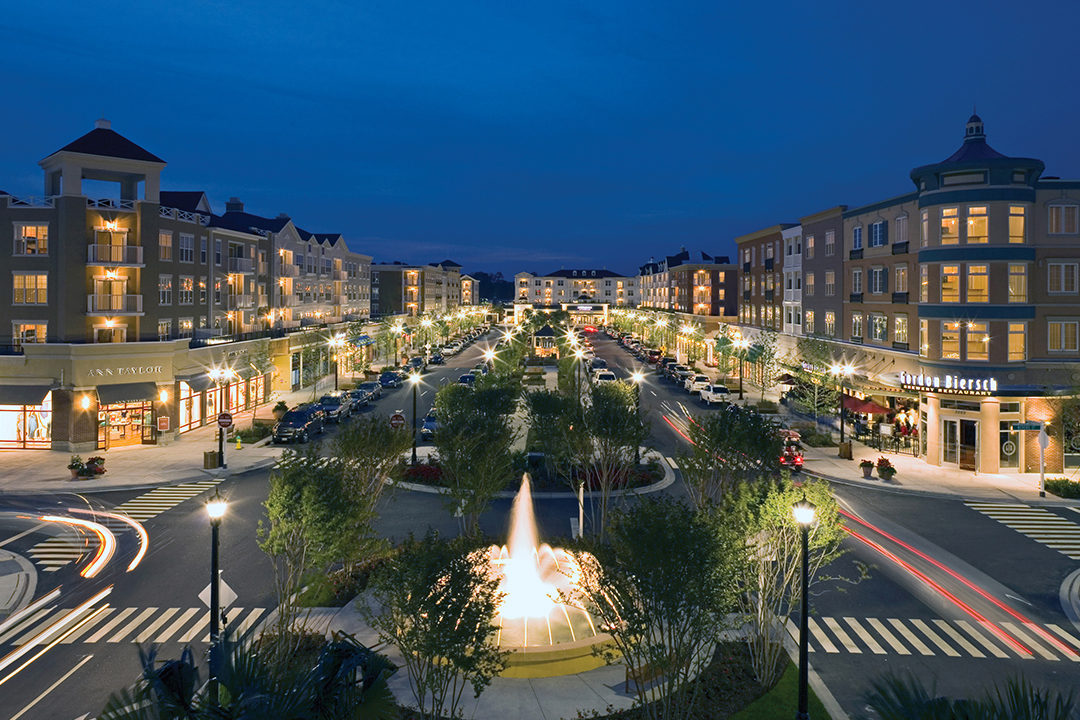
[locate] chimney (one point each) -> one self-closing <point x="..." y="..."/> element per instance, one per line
<point x="283" y="216"/>
<point x="682" y="249"/>
<point x="103" y="124"/>
<point x="234" y="205"/>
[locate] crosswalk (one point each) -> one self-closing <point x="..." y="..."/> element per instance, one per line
<point x="949" y="638"/>
<point x="136" y="625"/>
<point x="54" y="553"/>
<point x="1039" y="524"/>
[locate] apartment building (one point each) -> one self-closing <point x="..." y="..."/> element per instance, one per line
<point x="822" y="301"/>
<point x="792" y="241"/>
<point x="136" y="313"/>
<point x="761" y="282"/>
<point x="416" y="290"/>
<point x="576" y="286"/>
<point x="470" y="290"/>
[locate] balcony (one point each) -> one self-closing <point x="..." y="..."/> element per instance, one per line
<point x="341" y="275"/>
<point x="769" y="262"/>
<point x="899" y="248"/>
<point x="114" y="305"/>
<point x="746" y="267"/>
<point x="241" y="266"/>
<point x="900" y="345"/>
<point x="110" y="204"/>
<point x="900" y="298"/>
<point x="31" y="201"/>
<point x="855" y="297"/>
<point x="290" y="301"/>
<point x="114" y="255"/>
<point x="289" y="270"/>
<point x="183" y="215"/>
<point x="855" y="254"/>
<point x="241" y="302"/>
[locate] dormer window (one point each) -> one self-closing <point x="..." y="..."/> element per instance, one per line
<point x="575" y="273"/>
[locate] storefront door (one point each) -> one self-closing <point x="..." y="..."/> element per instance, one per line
<point x="1009" y="442"/>
<point x="125" y="424"/>
<point x="969" y="445"/>
<point x="950" y="442"/>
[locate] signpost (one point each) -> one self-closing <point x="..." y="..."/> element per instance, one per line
<point x="224" y="420"/>
<point x="1044" y="442"/>
<point x="397" y="421"/>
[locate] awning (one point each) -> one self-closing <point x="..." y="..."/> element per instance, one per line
<point x="199" y="382"/>
<point x="23" y="394"/>
<point x="787" y="379"/>
<point x="128" y="392"/>
<point x="362" y="340"/>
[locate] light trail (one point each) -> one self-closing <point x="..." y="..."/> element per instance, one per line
<point x="47" y="633"/>
<point x="26" y="611"/>
<point x="1069" y="652"/>
<point x="106" y="546"/>
<point x="144" y="538"/>
<point x="52" y="687"/>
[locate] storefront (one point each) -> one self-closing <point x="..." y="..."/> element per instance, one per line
<point x="25" y="417"/>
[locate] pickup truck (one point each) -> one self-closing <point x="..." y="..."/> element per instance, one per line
<point x="715" y="393"/>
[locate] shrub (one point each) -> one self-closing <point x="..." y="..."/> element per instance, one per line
<point x="424" y="473"/>
<point x="817" y="439"/>
<point x="255" y="433"/>
<point x="766" y="406"/>
<point x="1063" y="487"/>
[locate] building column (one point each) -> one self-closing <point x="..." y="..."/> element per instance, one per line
<point x="933" y="430"/>
<point x="989" y="437"/>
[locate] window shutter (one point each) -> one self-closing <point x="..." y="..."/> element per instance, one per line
<point x="884" y="233"/>
<point x="884" y="279"/>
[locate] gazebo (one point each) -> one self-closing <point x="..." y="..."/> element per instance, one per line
<point x="544" y="344"/>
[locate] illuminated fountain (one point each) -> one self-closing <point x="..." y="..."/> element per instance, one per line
<point x="546" y="632"/>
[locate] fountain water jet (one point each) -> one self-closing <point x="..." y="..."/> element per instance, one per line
<point x="545" y="632"/>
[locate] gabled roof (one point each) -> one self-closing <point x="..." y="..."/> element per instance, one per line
<point x="187" y="200"/>
<point x="448" y="263"/>
<point x="106" y="142"/>
<point x="330" y="238"/>
<point x="572" y="274"/>
<point x="246" y="222"/>
<point x="545" y="331"/>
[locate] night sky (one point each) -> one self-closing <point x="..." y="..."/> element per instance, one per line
<point x="515" y="136"/>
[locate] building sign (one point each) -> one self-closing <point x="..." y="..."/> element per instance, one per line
<point x="952" y="384"/>
<point x="584" y="308"/>
<point x="124" y="371"/>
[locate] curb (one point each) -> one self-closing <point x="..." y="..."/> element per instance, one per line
<point x="1070" y="597"/>
<point x="669" y="478"/>
<point x="30" y="588"/>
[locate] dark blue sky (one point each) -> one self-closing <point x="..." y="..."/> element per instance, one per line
<point x="528" y="136"/>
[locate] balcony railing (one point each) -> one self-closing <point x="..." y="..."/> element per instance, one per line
<point x="114" y="304"/>
<point x="30" y="201"/>
<point x="769" y="263"/>
<point x="241" y="302"/>
<point x="855" y="297"/>
<point x="110" y="204"/>
<point x="900" y="298"/>
<point x="900" y="345"/>
<point x="769" y="295"/>
<point x="114" y="255"/>
<point x="745" y="294"/>
<point x="290" y="301"/>
<point x="855" y="254"/>
<point x="341" y="275"/>
<point x="241" y="266"/>
<point x="899" y="248"/>
<point x="183" y="215"/>
<point x="289" y="270"/>
<point x="746" y="267"/>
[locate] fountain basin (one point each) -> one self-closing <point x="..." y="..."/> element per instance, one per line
<point x="567" y="658"/>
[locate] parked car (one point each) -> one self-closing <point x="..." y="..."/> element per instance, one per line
<point x="360" y="397"/>
<point x="450" y="350"/>
<point x="715" y="393"/>
<point x="373" y="388"/>
<point x="605" y="376"/>
<point x="391" y="379"/>
<point x="467" y="379"/>
<point x="679" y="374"/>
<point x="652" y="356"/>
<point x="431" y="424"/>
<point x="337" y="405"/>
<point x="598" y="364"/>
<point x="415" y="364"/>
<point x="436" y="359"/>
<point x="695" y="382"/>
<point x="663" y="363"/>
<point x="480" y="369"/>
<point x="299" y="424"/>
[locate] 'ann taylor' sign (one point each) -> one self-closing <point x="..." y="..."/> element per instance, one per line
<point x="953" y="384"/>
<point x="124" y="371"/>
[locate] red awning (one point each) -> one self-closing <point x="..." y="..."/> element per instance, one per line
<point x="868" y="407"/>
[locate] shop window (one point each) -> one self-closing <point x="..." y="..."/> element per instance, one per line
<point x="1017" y="224"/>
<point x="1062" y="336"/>
<point x="978" y="286"/>
<point x="26" y="426"/>
<point x="976" y="225"/>
<point x="1017" y="342"/>
<point x="950" y="227"/>
<point x="31" y="239"/>
<point x="950" y="283"/>
<point x="950" y="341"/>
<point x="978" y="342"/>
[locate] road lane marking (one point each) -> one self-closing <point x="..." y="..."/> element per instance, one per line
<point x="990" y="627"/>
<point x="958" y="638"/>
<point x="27" y="622"/>
<point x="1065" y="635"/>
<point x="820" y="636"/>
<point x="177" y="624"/>
<point x="1028" y="640"/>
<point x="52" y="687"/>
<point x="866" y="637"/>
<point x="794" y="632"/>
<point x="160" y="620"/>
<point x="842" y="636"/>
<point x="130" y="627"/>
<point x="85" y="628"/>
<point x="197" y="628"/>
<point x="37" y="629"/>
<point x="911" y="637"/>
<point x="248" y="622"/>
<point x="119" y="618"/>
<point x="1039" y="524"/>
<point x="935" y="638"/>
<point x="23" y="534"/>
<point x="980" y="638"/>
<point x="888" y="636"/>
<point x="1063" y="648"/>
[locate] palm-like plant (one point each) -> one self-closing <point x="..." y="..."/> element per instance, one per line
<point x="895" y="698"/>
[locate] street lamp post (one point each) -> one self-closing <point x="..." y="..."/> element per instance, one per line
<point x="336" y="342"/>
<point x="842" y="371"/>
<point x="637" y="377"/>
<point x="742" y="344"/>
<point x="804" y="515"/>
<point x="414" y="379"/>
<point x="215" y="508"/>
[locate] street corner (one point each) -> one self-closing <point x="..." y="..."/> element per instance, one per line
<point x="18" y="581"/>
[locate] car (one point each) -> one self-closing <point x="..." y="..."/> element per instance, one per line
<point x="373" y="389"/>
<point x="480" y="369"/>
<point x="415" y="364"/>
<point x="337" y="405"/>
<point x="679" y="374"/>
<point x="695" y="382"/>
<point x="662" y="364"/>
<point x="597" y="364"/>
<point x="299" y="424"/>
<point x="605" y="376"/>
<point x="653" y="356"/>
<point x="431" y="424"/>
<point x="715" y="393"/>
<point x="360" y="397"/>
<point x="467" y="379"/>
<point x="436" y="359"/>
<point x="449" y="350"/>
<point x="391" y="379"/>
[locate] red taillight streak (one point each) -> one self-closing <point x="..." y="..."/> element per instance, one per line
<point x="676" y="429"/>
<point x="1038" y="630"/>
<point x="955" y="600"/>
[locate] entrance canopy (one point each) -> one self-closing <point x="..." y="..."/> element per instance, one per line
<point x="869" y="407"/>
<point x="23" y="394"/>
<point x="128" y="392"/>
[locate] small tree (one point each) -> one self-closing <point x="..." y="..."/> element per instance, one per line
<point x="767" y="359"/>
<point x="816" y="390"/>
<point x="762" y="514"/>
<point x="436" y="602"/>
<point x="664" y="619"/>
<point x="616" y="430"/>
<point x="727" y="448"/>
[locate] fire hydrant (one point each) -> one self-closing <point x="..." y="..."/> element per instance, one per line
<point x="239" y="445"/>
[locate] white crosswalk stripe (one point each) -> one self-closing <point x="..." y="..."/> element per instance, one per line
<point x="1039" y="524"/>
<point x="950" y="638"/>
<point x="140" y="625"/>
<point x="54" y="553"/>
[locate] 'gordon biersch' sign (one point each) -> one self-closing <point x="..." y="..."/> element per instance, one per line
<point x="954" y="384"/>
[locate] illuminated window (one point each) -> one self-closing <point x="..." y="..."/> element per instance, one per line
<point x="900" y="328"/>
<point x="830" y="324"/>
<point x="23" y="333"/>
<point x="1063" y="219"/>
<point x="1017" y="342"/>
<point x="950" y="341"/>
<point x="978" y="286"/>
<point x="900" y="273"/>
<point x="187" y="291"/>
<point x="164" y="329"/>
<point x="1017" y="224"/>
<point x="924" y="233"/>
<point x="856" y="326"/>
<point x="978" y="342"/>
<point x="809" y="247"/>
<point x="164" y="289"/>
<point x="950" y="227"/>
<point x="950" y="283"/>
<point x="879" y="328"/>
<point x="976" y="225"/>
<point x="924" y="283"/>
<point x="1062" y="335"/>
<point x="808" y="321"/>
<point x="165" y="245"/>
<point x="186" y="328"/>
<point x="31" y="239"/>
<point x="830" y="283"/>
<point x="1061" y="277"/>
<point x="1018" y="283"/>
<point x="809" y="283"/>
<point x="924" y="338"/>
<point x="830" y="243"/>
<point x="30" y="289"/>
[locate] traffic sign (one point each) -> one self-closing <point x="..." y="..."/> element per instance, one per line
<point x="1036" y="426"/>
<point x="226" y="595"/>
<point x="397" y="421"/>
<point x="224" y="420"/>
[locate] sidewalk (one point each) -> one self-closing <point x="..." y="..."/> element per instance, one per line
<point x="142" y="466"/>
